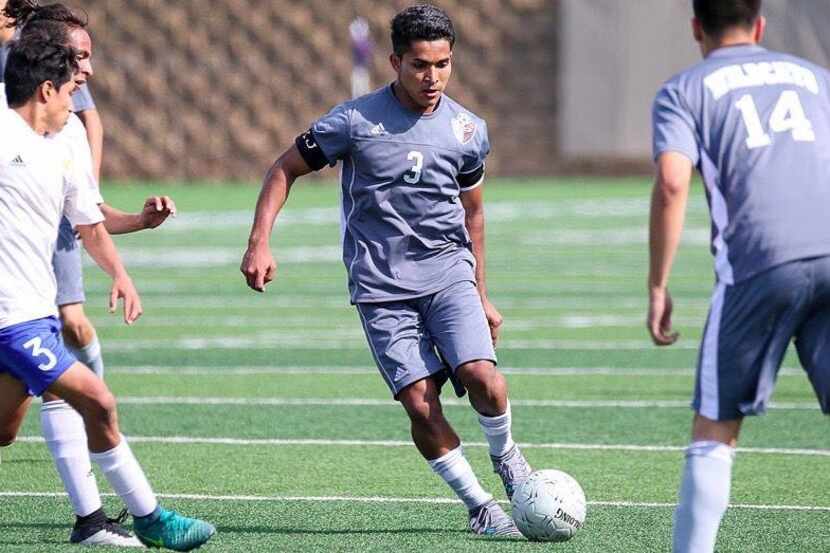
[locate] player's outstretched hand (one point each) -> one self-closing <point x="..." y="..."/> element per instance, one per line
<point x="122" y="287"/>
<point x="258" y="266"/>
<point x="494" y="319"/>
<point x="156" y="210"/>
<point x="659" y="317"/>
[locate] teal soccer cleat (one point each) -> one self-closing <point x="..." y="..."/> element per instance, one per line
<point x="171" y="530"/>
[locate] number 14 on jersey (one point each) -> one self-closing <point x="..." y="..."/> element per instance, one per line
<point x="787" y="116"/>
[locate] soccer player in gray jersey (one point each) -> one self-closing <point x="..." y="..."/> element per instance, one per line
<point x="756" y="124"/>
<point x="413" y="245"/>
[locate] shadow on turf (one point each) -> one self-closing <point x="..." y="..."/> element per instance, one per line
<point x="401" y="531"/>
<point x="7" y="528"/>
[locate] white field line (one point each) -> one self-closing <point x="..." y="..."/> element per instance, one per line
<point x="448" y="402"/>
<point x="497" y="211"/>
<point x="417" y="500"/>
<point x="554" y="300"/>
<point x="282" y="442"/>
<point x="353" y="339"/>
<point x="274" y="321"/>
<point x="219" y="371"/>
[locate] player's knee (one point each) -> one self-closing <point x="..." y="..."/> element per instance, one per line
<point x="481" y="376"/>
<point x="101" y="410"/>
<point x="421" y="403"/>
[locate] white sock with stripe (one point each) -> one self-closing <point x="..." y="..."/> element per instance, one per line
<point x="458" y="474"/>
<point x="90" y="355"/>
<point x="704" y="496"/>
<point x="497" y="430"/>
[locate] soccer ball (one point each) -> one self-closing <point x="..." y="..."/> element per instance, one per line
<point x="549" y="506"/>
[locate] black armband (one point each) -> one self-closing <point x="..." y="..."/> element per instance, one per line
<point x="468" y="181"/>
<point x="311" y="151"/>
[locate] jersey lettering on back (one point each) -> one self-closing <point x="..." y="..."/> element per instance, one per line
<point x="757" y="126"/>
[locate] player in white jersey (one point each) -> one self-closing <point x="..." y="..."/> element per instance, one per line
<point x="39" y="185"/>
<point x="77" y="329"/>
<point x="62" y="427"/>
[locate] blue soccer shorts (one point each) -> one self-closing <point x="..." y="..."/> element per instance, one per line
<point x="33" y="352"/>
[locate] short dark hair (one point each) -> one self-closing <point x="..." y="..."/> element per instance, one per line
<point x="33" y="61"/>
<point x="22" y="12"/>
<point x="422" y="22"/>
<point x="46" y="29"/>
<point x="718" y="16"/>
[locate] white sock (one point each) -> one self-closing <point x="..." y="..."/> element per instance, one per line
<point x="497" y="430"/>
<point x="458" y="474"/>
<point x="63" y="430"/>
<point x="90" y="355"/>
<point x="127" y="479"/>
<point x="704" y="496"/>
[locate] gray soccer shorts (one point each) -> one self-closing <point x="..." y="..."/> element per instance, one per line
<point x="424" y="337"/>
<point x="749" y="328"/>
<point x="66" y="262"/>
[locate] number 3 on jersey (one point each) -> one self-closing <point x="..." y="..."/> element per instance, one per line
<point x="414" y="174"/>
<point x="37" y="350"/>
<point x="787" y="116"/>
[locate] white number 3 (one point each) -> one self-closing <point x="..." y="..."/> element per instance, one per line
<point x="414" y="175"/>
<point x="37" y="350"/>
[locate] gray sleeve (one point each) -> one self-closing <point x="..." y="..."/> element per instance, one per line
<point x="673" y="128"/>
<point x="82" y="100"/>
<point x="333" y="133"/>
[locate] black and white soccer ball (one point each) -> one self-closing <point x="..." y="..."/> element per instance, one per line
<point x="549" y="506"/>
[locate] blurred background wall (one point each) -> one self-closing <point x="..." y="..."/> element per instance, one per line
<point x="215" y="89"/>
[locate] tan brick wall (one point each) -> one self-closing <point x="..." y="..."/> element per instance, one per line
<point x="215" y="89"/>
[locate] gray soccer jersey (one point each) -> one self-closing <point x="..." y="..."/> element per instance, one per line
<point x="757" y="126"/>
<point x="403" y="223"/>
<point x="81" y="99"/>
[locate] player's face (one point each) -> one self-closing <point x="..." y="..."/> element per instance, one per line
<point x="59" y="106"/>
<point x="423" y="72"/>
<point x="79" y="40"/>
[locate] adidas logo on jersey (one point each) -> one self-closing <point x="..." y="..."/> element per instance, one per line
<point x="378" y="130"/>
<point x="18" y="162"/>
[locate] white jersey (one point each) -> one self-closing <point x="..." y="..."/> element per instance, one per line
<point x="73" y="136"/>
<point x="39" y="183"/>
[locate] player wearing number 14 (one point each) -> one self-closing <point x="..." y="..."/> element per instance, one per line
<point x="756" y="124"/>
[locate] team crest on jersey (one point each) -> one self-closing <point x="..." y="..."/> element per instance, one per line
<point x="463" y="127"/>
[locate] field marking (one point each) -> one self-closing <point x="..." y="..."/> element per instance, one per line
<point x="514" y="324"/>
<point x="353" y="339"/>
<point x="416" y="500"/>
<point x="278" y="442"/>
<point x="552" y="300"/>
<point x="448" y="402"/>
<point x="205" y="370"/>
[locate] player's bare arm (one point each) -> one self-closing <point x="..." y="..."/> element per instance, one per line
<point x="154" y="212"/>
<point x="258" y="263"/>
<point x="473" y="202"/>
<point x="101" y="248"/>
<point x="668" y="210"/>
<point x="95" y="134"/>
